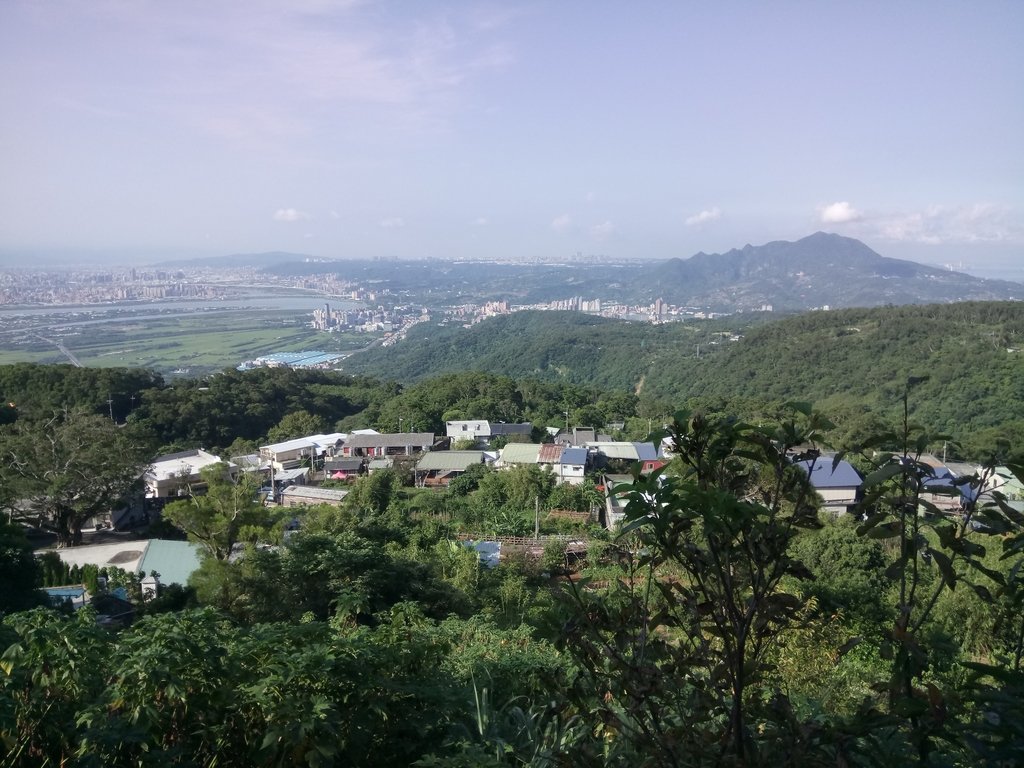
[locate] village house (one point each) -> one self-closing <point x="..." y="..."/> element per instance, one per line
<point x="614" y="499"/>
<point x="517" y="453"/>
<point x="579" y="437"/>
<point x="620" y="455"/>
<point x="400" y="444"/>
<point x="439" y="468"/>
<point x="171" y="475"/>
<point x="302" y="451"/>
<point x="1004" y="481"/>
<point x="838" y="487"/>
<point x="483" y="431"/>
<point x="376" y="465"/>
<point x="571" y="465"/>
<point x="343" y="469"/>
<point x="944" y="490"/>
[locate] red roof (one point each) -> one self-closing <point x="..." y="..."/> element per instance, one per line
<point x="549" y="453"/>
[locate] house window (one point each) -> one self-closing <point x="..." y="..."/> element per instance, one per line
<point x="464" y="427"/>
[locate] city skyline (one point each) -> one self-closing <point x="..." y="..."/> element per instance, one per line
<point x="482" y="130"/>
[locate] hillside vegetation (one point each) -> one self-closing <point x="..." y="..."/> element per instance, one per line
<point x="547" y="367"/>
<point x="569" y="346"/>
<point x="852" y="361"/>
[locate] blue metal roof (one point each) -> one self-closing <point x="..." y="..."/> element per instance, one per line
<point x="573" y="456"/>
<point x="646" y="451"/>
<point x="823" y="476"/>
<point x="944" y="479"/>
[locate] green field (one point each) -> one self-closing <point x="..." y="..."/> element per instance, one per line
<point x="192" y="343"/>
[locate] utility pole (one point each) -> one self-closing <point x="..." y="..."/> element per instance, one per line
<point x="536" y="518"/>
<point x="110" y="404"/>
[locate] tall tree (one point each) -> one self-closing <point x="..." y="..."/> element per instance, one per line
<point x="220" y="511"/>
<point x="70" y="467"/>
<point x="19" y="571"/>
<point x="677" y="657"/>
<point x="295" y="425"/>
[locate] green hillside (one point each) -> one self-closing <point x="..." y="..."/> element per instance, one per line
<point x="567" y="346"/>
<point x="854" y="362"/>
<point x="972" y="355"/>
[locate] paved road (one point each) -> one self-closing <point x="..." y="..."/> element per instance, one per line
<point x="67" y="352"/>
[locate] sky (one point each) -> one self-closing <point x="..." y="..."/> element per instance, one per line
<point x="639" y="130"/>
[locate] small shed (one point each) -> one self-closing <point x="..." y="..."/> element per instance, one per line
<point x="305" y="495"/>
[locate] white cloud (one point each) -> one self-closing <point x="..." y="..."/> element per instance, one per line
<point x="290" y="215"/>
<point x="970" y="223"/>
<point x="480" y="221"/>
<point x="838" y="213"/>
<point x="392" y="222"/>
<point x="335" y="215"/>
<point x="561" y="223"/>
<point x="286" y="70"/>
<point x="602" y="231"/>
<point x="704" y="216"/>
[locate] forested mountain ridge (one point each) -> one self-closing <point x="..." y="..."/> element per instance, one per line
<point x="851" y="360"/>
<point x="970" y="354"/>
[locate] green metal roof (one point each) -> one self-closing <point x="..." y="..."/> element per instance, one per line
<point x="520" y="453"/>
<point x="459" y="461"/>
<point x="173" y="560"/>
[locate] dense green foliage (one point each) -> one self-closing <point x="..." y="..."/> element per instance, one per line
<point x="563" y="346"/>
<point x="855" y="360"/>
<point x="727" y="623"/>
<point x="19" y="570"/>
<point x="42" y="389"/>
<point x="248" y="405"/>
<point x="69" y="467"/>
<point x="850" y="362"/>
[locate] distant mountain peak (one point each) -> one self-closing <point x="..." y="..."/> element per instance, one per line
<point x="819" y="270"/>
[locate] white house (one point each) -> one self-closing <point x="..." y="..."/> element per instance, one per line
<point x="483" y="430"/>
<point x="838" y="487"/>
<point x="571" y="466"/>
<point x="377" y="445"/>
<point x="170" y="475"/>
<point x="292" y="453"/>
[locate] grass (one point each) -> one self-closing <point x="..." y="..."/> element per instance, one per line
<point x="209" y="342"/>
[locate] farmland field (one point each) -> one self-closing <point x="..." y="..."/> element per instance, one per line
<point x="190" y="343"/>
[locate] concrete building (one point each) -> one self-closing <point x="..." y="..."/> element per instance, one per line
<point x="170" y="475"/>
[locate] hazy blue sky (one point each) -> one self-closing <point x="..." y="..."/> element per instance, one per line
<point x="633" y="129"/>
